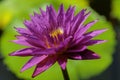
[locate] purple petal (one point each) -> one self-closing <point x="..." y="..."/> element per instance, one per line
<point x="33" y="61"/>
<point x="33" y="52"/>
<point x="69" y="14"/>
<point x="45" y="51"/>
<point x="80" y="20"/>
<point x="36" y="15"/>
<point x="44" y="65"/>
<point x="88" y="54"/>
<point x="95" y="33"/>
<point x="64" y="44"/>
<point x="23" y="52"/>
<point x="91" y="35"/>
<point x="84" y="55"/>
<point x="52" y="16"/>
<point x="92" y="42"/>
<point x="62" y="62"/>
<point x="29" y="25"/>
<point x="81" y="31"/>
<point x="23" y="31"/>
<point x="21" y="40"/>
<point x="34" y="41"/>
<point x="61" y="16"/>
<point x="43" y="13"/>
<point x="68" y="18"/>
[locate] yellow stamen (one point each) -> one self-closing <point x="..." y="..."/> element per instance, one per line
<point x="56" y="32"/>
<point x="47" y="43"/>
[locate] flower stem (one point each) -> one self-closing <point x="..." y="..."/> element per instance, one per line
<point x="65" y="74"/>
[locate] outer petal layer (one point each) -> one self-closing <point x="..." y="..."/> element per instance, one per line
<point x="84" y="55"/>
<point x="33" y="61"/>
<point x="44" y="65"/>
<point x="62" y="61"/>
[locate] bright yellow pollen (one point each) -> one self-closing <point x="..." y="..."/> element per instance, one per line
<point x="56" y="32"/>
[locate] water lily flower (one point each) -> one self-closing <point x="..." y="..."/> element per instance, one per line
<point x="56" y="37"/>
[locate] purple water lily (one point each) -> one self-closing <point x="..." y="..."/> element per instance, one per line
<point x="56" y="37"/>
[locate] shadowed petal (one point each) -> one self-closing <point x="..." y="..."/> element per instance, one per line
<point x="75" y="56"/>
<point x="44" y="65"/>
<point x="88" y="54"/>
<point x="62" y="62"/>
<point x="45" y="51"/>
<point x="64" y="44"/>
<point x="92" y="42"/>
<point x="84" y="55"/>
<point x="33" y="61"/>
<point x="77" y="48"/>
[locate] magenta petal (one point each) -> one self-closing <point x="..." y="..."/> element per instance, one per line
<point x="88" y="54"/>
<point x="62" y="62"/>
<point x="92" y="42"/>
<point x="23" y="52"/>
<point x="44" y="65"/>
<point x="33" y="61"/>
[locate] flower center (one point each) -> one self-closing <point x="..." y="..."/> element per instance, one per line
<point x="56" y="32"/>
<point x="57" y="36"/>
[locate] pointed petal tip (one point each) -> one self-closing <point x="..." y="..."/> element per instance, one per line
<point x="96" y="56"/>
<point x="62" y="5"/>
<point x="22" y="70"/>
<point x="105" y="29"/>
<point x="96" y="20"/>
<point x="33" y="76"/>
<point x="12" y="54"/>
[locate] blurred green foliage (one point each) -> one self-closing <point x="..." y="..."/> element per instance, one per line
<point x="116" y="9"/>
<point x="20" y="10"/>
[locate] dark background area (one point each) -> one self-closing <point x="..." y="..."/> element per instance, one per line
<point x="103" y="7"/>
